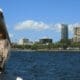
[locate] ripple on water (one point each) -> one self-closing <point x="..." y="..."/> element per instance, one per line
<point x="44" y="65"/>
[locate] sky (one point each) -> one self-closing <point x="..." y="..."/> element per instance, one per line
<point x="36" y="19"/>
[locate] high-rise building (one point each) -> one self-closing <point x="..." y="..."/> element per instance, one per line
<point x="76" y="37"/>
<point x="64" y="31"/>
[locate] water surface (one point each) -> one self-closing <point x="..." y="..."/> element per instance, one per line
<point x="48" y="65"/>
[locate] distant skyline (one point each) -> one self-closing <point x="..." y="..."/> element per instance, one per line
<point x="35" y="19"/>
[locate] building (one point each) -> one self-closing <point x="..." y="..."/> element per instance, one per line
<point x="45" y="41"/>
<point x="24" y="42"/>
<point x="76" y="37"/>
<point x="64" y="31"/>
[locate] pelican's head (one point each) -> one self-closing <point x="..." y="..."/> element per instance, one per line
<point x="1" y="14"/>
<point x="1" y="10"/>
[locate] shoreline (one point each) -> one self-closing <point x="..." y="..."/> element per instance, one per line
<point x="42" y="50"/>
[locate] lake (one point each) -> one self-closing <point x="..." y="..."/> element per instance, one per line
<point x="44" y="65"/>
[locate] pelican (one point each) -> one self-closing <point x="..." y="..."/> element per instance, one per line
<point x="4" y="42"/>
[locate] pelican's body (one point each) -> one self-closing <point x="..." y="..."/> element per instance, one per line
<point x="4" y="42"/>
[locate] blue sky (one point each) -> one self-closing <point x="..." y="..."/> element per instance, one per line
<point x="35" y="19"/>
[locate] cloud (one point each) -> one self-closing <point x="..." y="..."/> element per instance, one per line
<point x="57" y="27"/>
<point x="11" y="35"/>
<point x="72" y="26"/>
<point x="31" y="24"/>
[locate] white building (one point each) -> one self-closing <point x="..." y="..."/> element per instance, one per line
<point x="24" y="41"/>
<point x="76" y="34"/>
